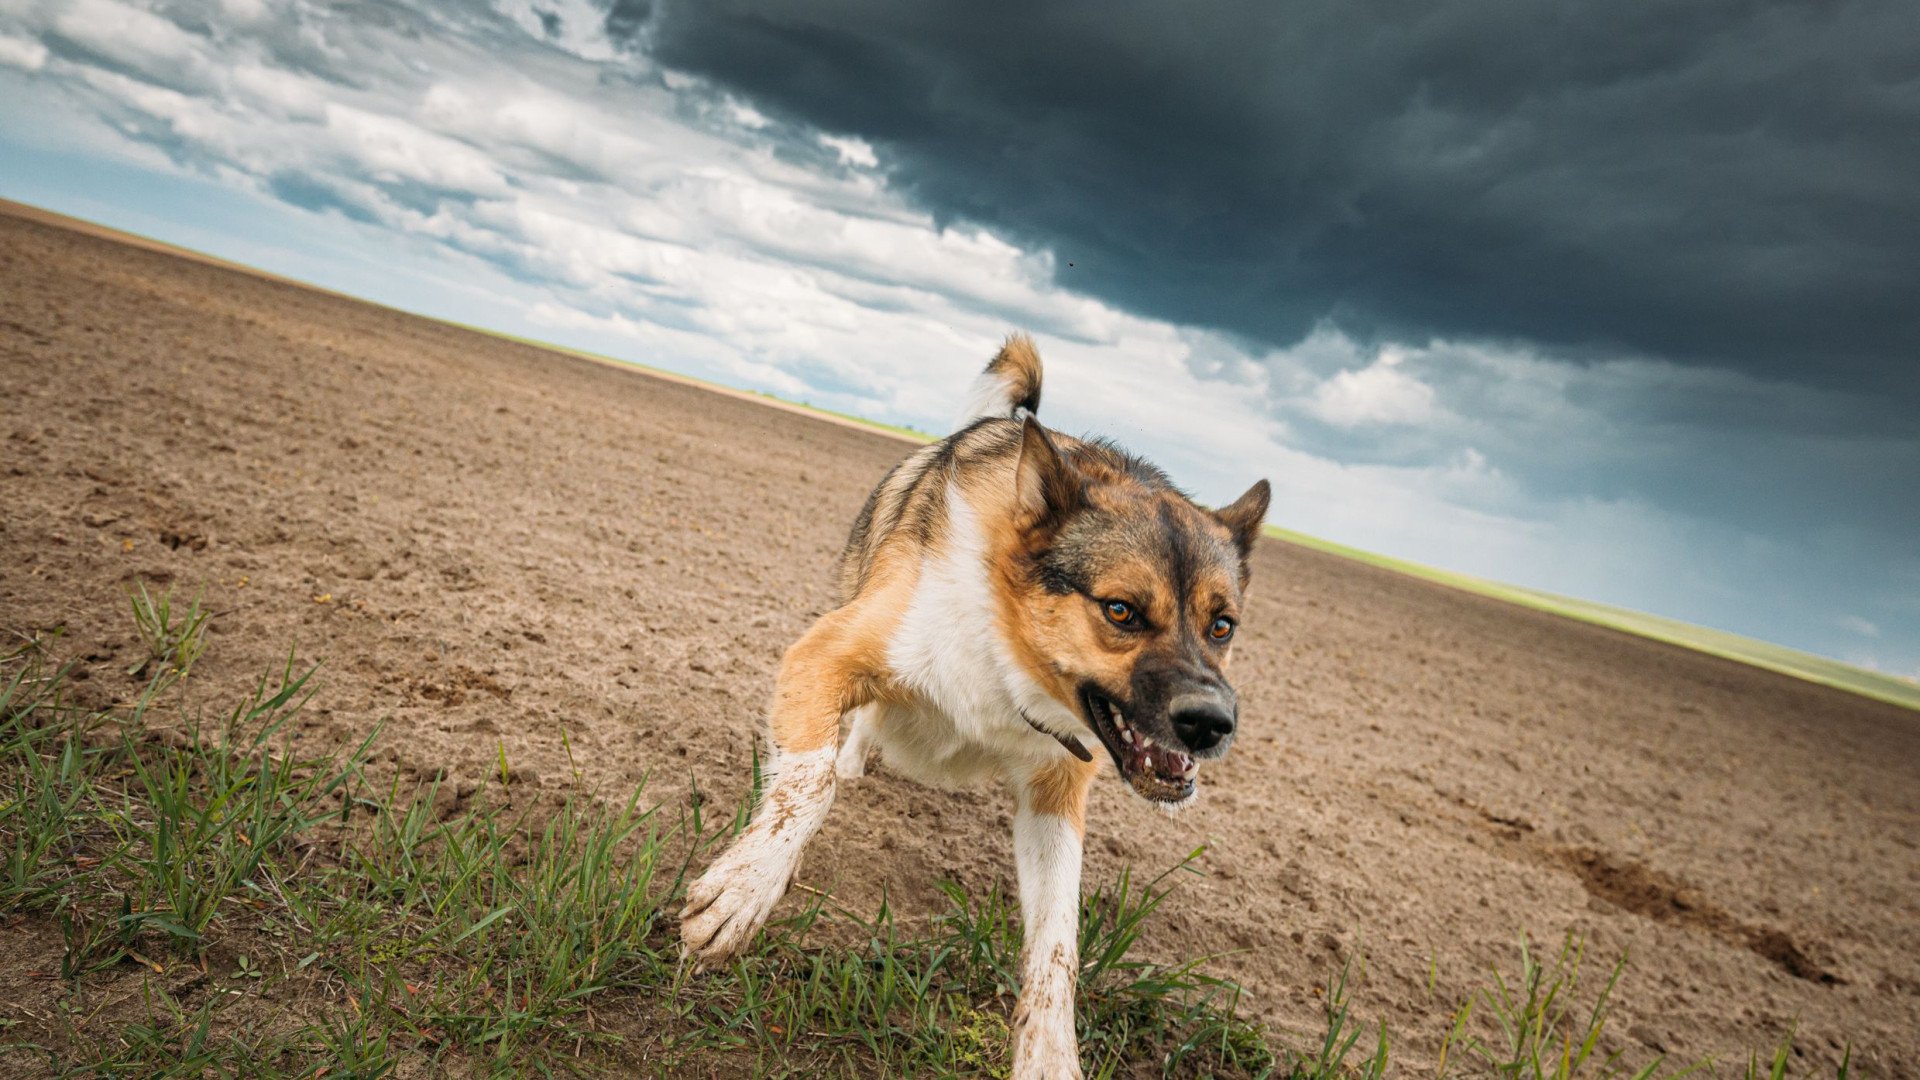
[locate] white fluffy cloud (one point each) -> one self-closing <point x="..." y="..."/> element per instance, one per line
<point x="23" y="53"/>
<point x="1379" y="393"/>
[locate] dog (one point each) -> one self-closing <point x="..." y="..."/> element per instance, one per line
<point x="1008" y="595"/>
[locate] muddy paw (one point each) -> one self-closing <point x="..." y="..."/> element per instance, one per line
<point x="1058" y="1064"/>
<point x="727" y="905"/>
<point x="1046" y="1053"/>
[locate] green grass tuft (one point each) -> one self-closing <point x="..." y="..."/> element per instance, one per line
<point x="172" y="644"/>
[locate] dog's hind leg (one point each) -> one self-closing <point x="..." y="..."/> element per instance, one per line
<point x="857" y="743"/>
<point x="827" y="672"/>
<point x="1047" y="831"/>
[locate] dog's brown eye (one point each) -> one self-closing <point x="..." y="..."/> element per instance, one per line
<point x="1221" y="630"/>
<point x="1119" y="612"/>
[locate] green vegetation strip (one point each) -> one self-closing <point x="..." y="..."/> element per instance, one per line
<point x="1727" y="646"/>
<point x="215" y="906"/>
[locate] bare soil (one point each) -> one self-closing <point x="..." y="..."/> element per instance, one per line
<point x="490" y="544"/>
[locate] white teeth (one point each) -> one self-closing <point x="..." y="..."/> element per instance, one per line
<point x="1126" y="736"/>
<point x="1145" y="741"/>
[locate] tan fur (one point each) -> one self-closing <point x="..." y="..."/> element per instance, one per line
<point x="1019" y="362"/>
<point x="1044" y="629"/>
<point x="1061" y="788"/>
<point x="838" y="665"/>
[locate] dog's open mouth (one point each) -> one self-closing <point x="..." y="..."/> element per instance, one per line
<point x="1155" y="770"/>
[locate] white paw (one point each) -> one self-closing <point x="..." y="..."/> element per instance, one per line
<point x="730" y="902"/>
<point x="1046" y="1051"/>
<point x="1057" y="1063"/>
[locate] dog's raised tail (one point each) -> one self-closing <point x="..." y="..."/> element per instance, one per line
<point x="1009" y="386"/>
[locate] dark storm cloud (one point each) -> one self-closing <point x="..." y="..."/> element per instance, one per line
<point x="1722" y="182"/>
<point x="626" y="18"/>
<point x="1767" y="458"/>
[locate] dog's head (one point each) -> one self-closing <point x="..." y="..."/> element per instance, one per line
<point x="1126" y="598"/>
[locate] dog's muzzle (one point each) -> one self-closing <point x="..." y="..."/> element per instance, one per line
<point x="1203" y="720"/>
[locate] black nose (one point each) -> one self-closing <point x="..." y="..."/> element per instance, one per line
<point x="1201" y="724"/>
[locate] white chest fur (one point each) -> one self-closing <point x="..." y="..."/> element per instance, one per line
<point x="962" y="722"/>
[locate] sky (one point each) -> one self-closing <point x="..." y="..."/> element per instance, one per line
<point x="1619" y="300"/>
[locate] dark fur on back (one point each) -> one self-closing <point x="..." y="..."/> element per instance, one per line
<point x="910" y="500"/>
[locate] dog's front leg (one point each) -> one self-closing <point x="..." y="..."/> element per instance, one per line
<point x="1047" y="831"/>
<point x="820" y="678"/>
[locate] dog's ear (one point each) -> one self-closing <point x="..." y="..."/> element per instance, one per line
<point x="1045" y="486"/>
<point x="1245" y="515"/>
